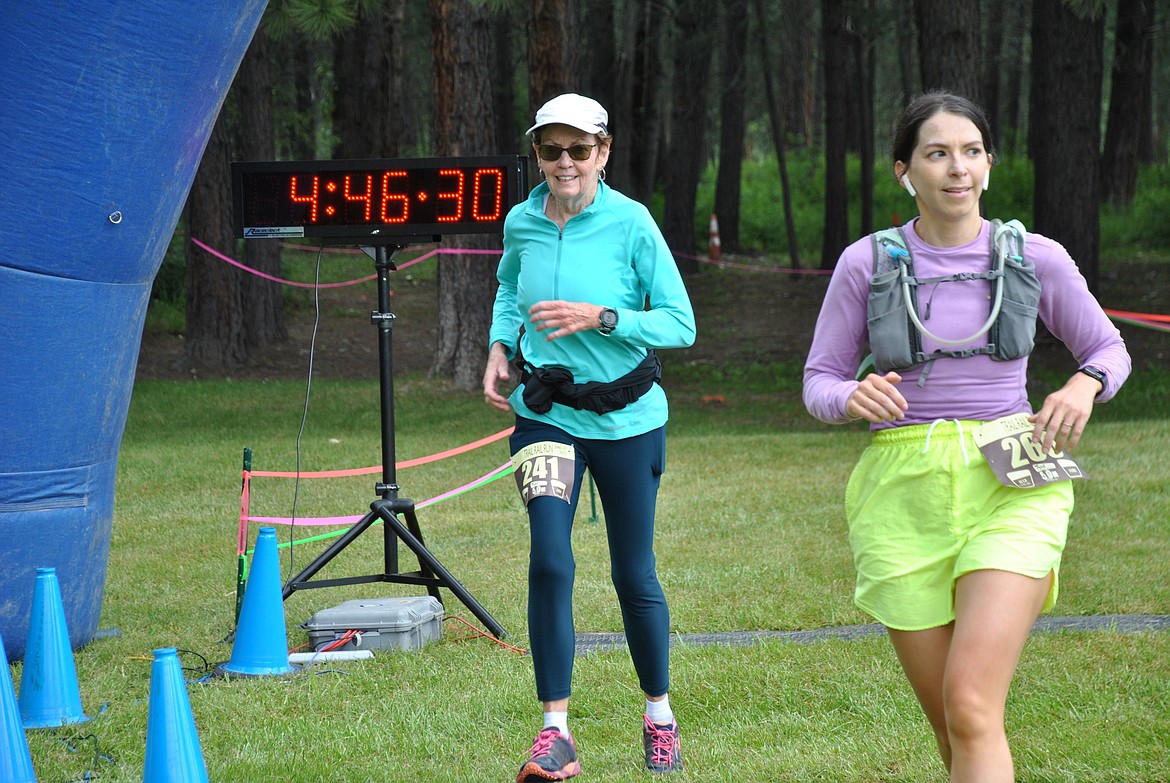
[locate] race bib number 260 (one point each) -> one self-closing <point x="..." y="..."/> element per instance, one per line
<point x="1016" y="457"/>
<point x="545" y="468"/>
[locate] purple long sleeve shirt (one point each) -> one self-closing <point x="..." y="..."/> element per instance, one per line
<point x="971" y="388"/>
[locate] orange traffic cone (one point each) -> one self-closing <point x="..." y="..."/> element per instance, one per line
<point x="713" y="244"/>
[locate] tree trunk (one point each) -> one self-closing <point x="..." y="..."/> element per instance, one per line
<point x="552" y="46"/>
<point x="779" y="132"/>
<point x="643" y="124"/>
<point x="835" y="49"/>
<point x="215" y="321"/>
<point x="1013" y="132"/>
<point x="262" y="299"/>
<point x="505" y="133"/>
<point x="798" y="80"/>
<point x="323" y="89"/>
<point x="949" y="45"/>
<point x="363" y="102"/>
<point x="408" y="123"/>
<point x="993" y="65"/>
<point x="694" y="42"/>
<point x="292" y="99"/>
<point x="618" y="170"/>
<point x="862" y="97"/>
<point x="597" y="25"/>
<point x="464" y="125"/>
<point x="1130" y="108"/>
<point x="906" y="49"/>
<point x="733" y="86"/>
<point x="1066" y="129"/>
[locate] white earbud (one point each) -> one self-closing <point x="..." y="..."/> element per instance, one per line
<point x="909" y="188"/>
<point x="986" y="180"/>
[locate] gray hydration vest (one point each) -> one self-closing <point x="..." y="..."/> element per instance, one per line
<point x="895" y="329"/>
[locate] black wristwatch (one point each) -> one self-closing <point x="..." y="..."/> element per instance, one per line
<point x="1096" y="374"/>
<point x="608" y="319"/>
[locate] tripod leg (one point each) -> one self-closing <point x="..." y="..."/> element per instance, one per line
<point x="442" y="574"/>
<point x="333" y="550"/>
<point x="416" y="531"/>
<point x="423" y="567"/>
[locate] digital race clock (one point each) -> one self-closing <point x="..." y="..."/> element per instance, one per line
<point x="370" y="199"/>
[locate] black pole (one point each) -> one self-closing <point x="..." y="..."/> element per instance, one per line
<point x="383" y="320"/>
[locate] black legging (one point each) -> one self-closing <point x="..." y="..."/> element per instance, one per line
<point x="626" y="473"/>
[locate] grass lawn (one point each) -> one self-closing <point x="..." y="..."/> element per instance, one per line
<point x="750" y="537"/>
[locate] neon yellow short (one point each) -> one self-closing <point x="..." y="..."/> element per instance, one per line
<point x="924" y="509"/>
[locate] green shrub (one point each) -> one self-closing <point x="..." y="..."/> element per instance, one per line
<point x="1142" y="226"/>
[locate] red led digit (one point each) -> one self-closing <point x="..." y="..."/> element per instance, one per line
<point x="312" y="199"/>
<point x="498" y="198"/>
<point x="452" y="195"/>
<point x="366" y="197"/>
<point x="402" y="199"/>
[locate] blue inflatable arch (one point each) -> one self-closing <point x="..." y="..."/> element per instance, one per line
<point x="106" y="108"/>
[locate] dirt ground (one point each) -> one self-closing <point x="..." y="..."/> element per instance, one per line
<point x="744" y="317"/>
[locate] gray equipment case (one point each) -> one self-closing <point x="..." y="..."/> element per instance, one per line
<point x="383" y="623"/>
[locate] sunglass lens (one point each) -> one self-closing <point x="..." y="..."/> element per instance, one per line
<point x="551" y="152"/>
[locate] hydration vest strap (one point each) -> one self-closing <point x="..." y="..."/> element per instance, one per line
<point x="993" y="274"/>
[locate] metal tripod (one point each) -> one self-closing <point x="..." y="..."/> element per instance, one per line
<point x="389" y="506"/>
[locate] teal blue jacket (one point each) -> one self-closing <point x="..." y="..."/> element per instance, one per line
<point x="612" y="255"/>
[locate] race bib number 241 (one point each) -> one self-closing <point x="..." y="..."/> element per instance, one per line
<point x="545" y="468"/>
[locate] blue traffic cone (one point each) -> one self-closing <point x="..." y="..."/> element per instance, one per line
<point x="173" y="752"/>
<point x="49" y="695"/>
<point x="261" y="644"/>
<point x="15" y="761"/>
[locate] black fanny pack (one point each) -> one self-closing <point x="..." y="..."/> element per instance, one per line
<point x="545" y="385"/>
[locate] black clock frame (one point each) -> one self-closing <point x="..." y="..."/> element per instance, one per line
<point x="261" y="210"/>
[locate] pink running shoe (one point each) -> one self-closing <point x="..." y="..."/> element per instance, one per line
<point x="553" y="757"/>
<point x="661" y="746"/>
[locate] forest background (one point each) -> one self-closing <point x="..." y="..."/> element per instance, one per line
<point x="772" y="114"/>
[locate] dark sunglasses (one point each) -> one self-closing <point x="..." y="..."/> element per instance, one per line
<point x="551" y="152"/>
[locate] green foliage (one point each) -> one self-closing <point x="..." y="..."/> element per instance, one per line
<point x="316" y="19"/>
<point x="1010" y="194"/>
<point x="166" y="316"/>
<point x="762" y="224"/>
<point x="1144" y="223"/>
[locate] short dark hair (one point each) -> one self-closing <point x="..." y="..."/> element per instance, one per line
<point x="926" y="106"/>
